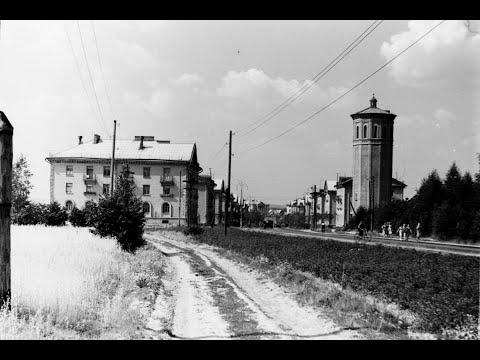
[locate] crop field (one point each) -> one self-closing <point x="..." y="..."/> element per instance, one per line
<point x="443" y="290"/>
<point x="68" y="283"/>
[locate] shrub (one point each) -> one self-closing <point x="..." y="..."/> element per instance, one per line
<point x="121" y="216"/>
<point x="30" y="214"/>
<point x="55" y="215"/>
<point x="90" y="211"/>
<point x="77" y="217"/>
<point x="194" y="230"/>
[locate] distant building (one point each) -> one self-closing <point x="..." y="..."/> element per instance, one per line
<point x="205" y="199"/>
<point x="219" y="201"/>
<point x="159" y="170"/>
<point x="328" y="198"/>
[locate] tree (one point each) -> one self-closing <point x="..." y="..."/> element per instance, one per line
<point x="55" y="215"/>
<point x="21" y="186"/>
<point x="121" y="215"/>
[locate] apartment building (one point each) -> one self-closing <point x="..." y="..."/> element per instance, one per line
<point x="165" y="176"/>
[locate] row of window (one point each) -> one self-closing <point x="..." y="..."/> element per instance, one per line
<point x="375" y="133"/>
<point x="165" y="208"/>
<point x="106" y="171"/>
<point x="106" y="189"/>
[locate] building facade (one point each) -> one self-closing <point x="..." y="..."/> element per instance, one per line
<point x="205" y="200"/>
<point x="219" y="201"/>
<point x="165" y="176"/>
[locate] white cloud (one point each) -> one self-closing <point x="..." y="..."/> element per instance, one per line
<point x="187" y="80"/>
<point x="255" y="87"/>
<point x="450" y="52"/>
<point x="410" y="121"/>
<point x="443" y="118"/>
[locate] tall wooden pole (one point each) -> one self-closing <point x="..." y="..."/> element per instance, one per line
<point x="180" y="199"/>
<point x="314" y="206"/>
<point x="112" y="165"/>
<point x="227" y="203"/>
<point x="6" y="158"/>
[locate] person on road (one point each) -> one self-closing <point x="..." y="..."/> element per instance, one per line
<point x="408" y="232"/>
<point x="383" y="230"/>
<point x="361" y="230"/>
<point x="400" y="232"/>
<point x="419" y="229"/>
<point x="390" y="232"/>
<point x="323" y="226"/>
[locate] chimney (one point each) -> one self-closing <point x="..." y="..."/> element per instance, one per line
<point x="96" y="139"/>
<point x="79" y="140"/>
<point x="141" y="147"/>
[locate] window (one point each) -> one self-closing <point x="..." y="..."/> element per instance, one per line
<point x="166" y="190"/>
<point x="106" y="189"/>
<point x="166" y="208"/>
<point x="166" y="171"/>
<point x="89" y="188"/>
<point x="365" y="130"/>
<point x="146" y="208"/>
<point x="358" y="131"/>
<point x="69" y="205"/>
<point x="355" y="196"/>
<point x="69" y="188"/>
<point x="146" y="189"/>
<point x="89" y="172"/>
<point x="69" y="170"/>
<point x="146" y="172"/>
<point x="106" y="171"/>
<point x="375" y="131"/>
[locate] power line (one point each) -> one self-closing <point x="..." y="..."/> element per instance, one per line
<point x="315" y="79"/>
<point x="101" y="69"/>
<point x="215" y="155"/>
<point x="90" y="75"/>
<point x="81" y="78"/>
<point x="345" y="93"/>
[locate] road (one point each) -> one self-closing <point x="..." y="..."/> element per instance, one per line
<point x="207" y="296"/>
<point x="424" y="245"/>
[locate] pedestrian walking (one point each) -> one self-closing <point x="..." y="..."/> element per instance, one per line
<point x="400" y="232"/>
<point x="323" y="226"/>
<point x="383" y="229"/>
<point x="390" y="232"/>
<point x="419" y="229"/>
<point x="408" y="232"/>
<point x="361" y="230"/>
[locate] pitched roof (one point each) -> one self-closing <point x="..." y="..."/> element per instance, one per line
<point x="330" y="185"/>
<point x="398" y="183"/>
<point x="129" y="149"/>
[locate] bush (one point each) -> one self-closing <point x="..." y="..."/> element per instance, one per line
<point x="194" y="230"/>
<point x="77" y="217"/>
<point x="120" y="216"/>
<point x="30" y="214"/>
<point x="55" y="215"/>
<point x="90" y="211"/>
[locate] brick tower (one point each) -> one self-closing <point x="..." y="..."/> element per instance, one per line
<point x="372" y="155"/>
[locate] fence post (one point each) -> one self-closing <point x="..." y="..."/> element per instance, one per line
<point x="6" y="158"/>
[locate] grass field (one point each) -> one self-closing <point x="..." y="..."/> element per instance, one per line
<point x="68" y="283"/>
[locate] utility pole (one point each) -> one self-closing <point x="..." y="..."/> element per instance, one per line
<point x="112" y="165"/>
<point x="227" y="203"/>
<point x="180" y="199"/>
<point x="314" y="194"/>
<point x="373" y="202"/>
<point x="241" y="200"/>
<point x="6" y="159"/>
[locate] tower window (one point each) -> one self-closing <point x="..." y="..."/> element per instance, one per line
<point x="358" y="132"/>
<point x="365" y="130"/>
<point x="375" y="131"/>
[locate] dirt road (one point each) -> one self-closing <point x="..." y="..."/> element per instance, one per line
<point x="207" y="296"/>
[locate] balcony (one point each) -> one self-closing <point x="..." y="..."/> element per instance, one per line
<point x="166" y="195"/>
<point x="166" y="180"/>
<point x="89" y="193"/>
<point x="90" y="179"/>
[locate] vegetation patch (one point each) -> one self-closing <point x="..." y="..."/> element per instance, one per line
<point x="442" y="290"/>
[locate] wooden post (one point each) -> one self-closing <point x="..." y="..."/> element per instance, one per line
<point x="227" y="202"/>
<point x="180" y="198"/>
<point x="112" y="165"/>
<point x="6" y="159"/>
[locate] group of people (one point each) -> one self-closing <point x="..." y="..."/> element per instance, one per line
<point x="404" y="231"/>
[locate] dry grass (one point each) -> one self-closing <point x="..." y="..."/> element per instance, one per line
<point x="68" y="283"/>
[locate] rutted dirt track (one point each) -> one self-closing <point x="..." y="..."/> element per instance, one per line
<point x="206" y="296"/>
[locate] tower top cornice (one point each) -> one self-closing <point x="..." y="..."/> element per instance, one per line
<point x="373" y="111"/>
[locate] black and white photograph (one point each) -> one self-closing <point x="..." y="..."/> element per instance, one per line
<point x="239" y="179"/>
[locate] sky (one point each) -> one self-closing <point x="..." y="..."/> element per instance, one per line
<point x="194" y="81"/>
